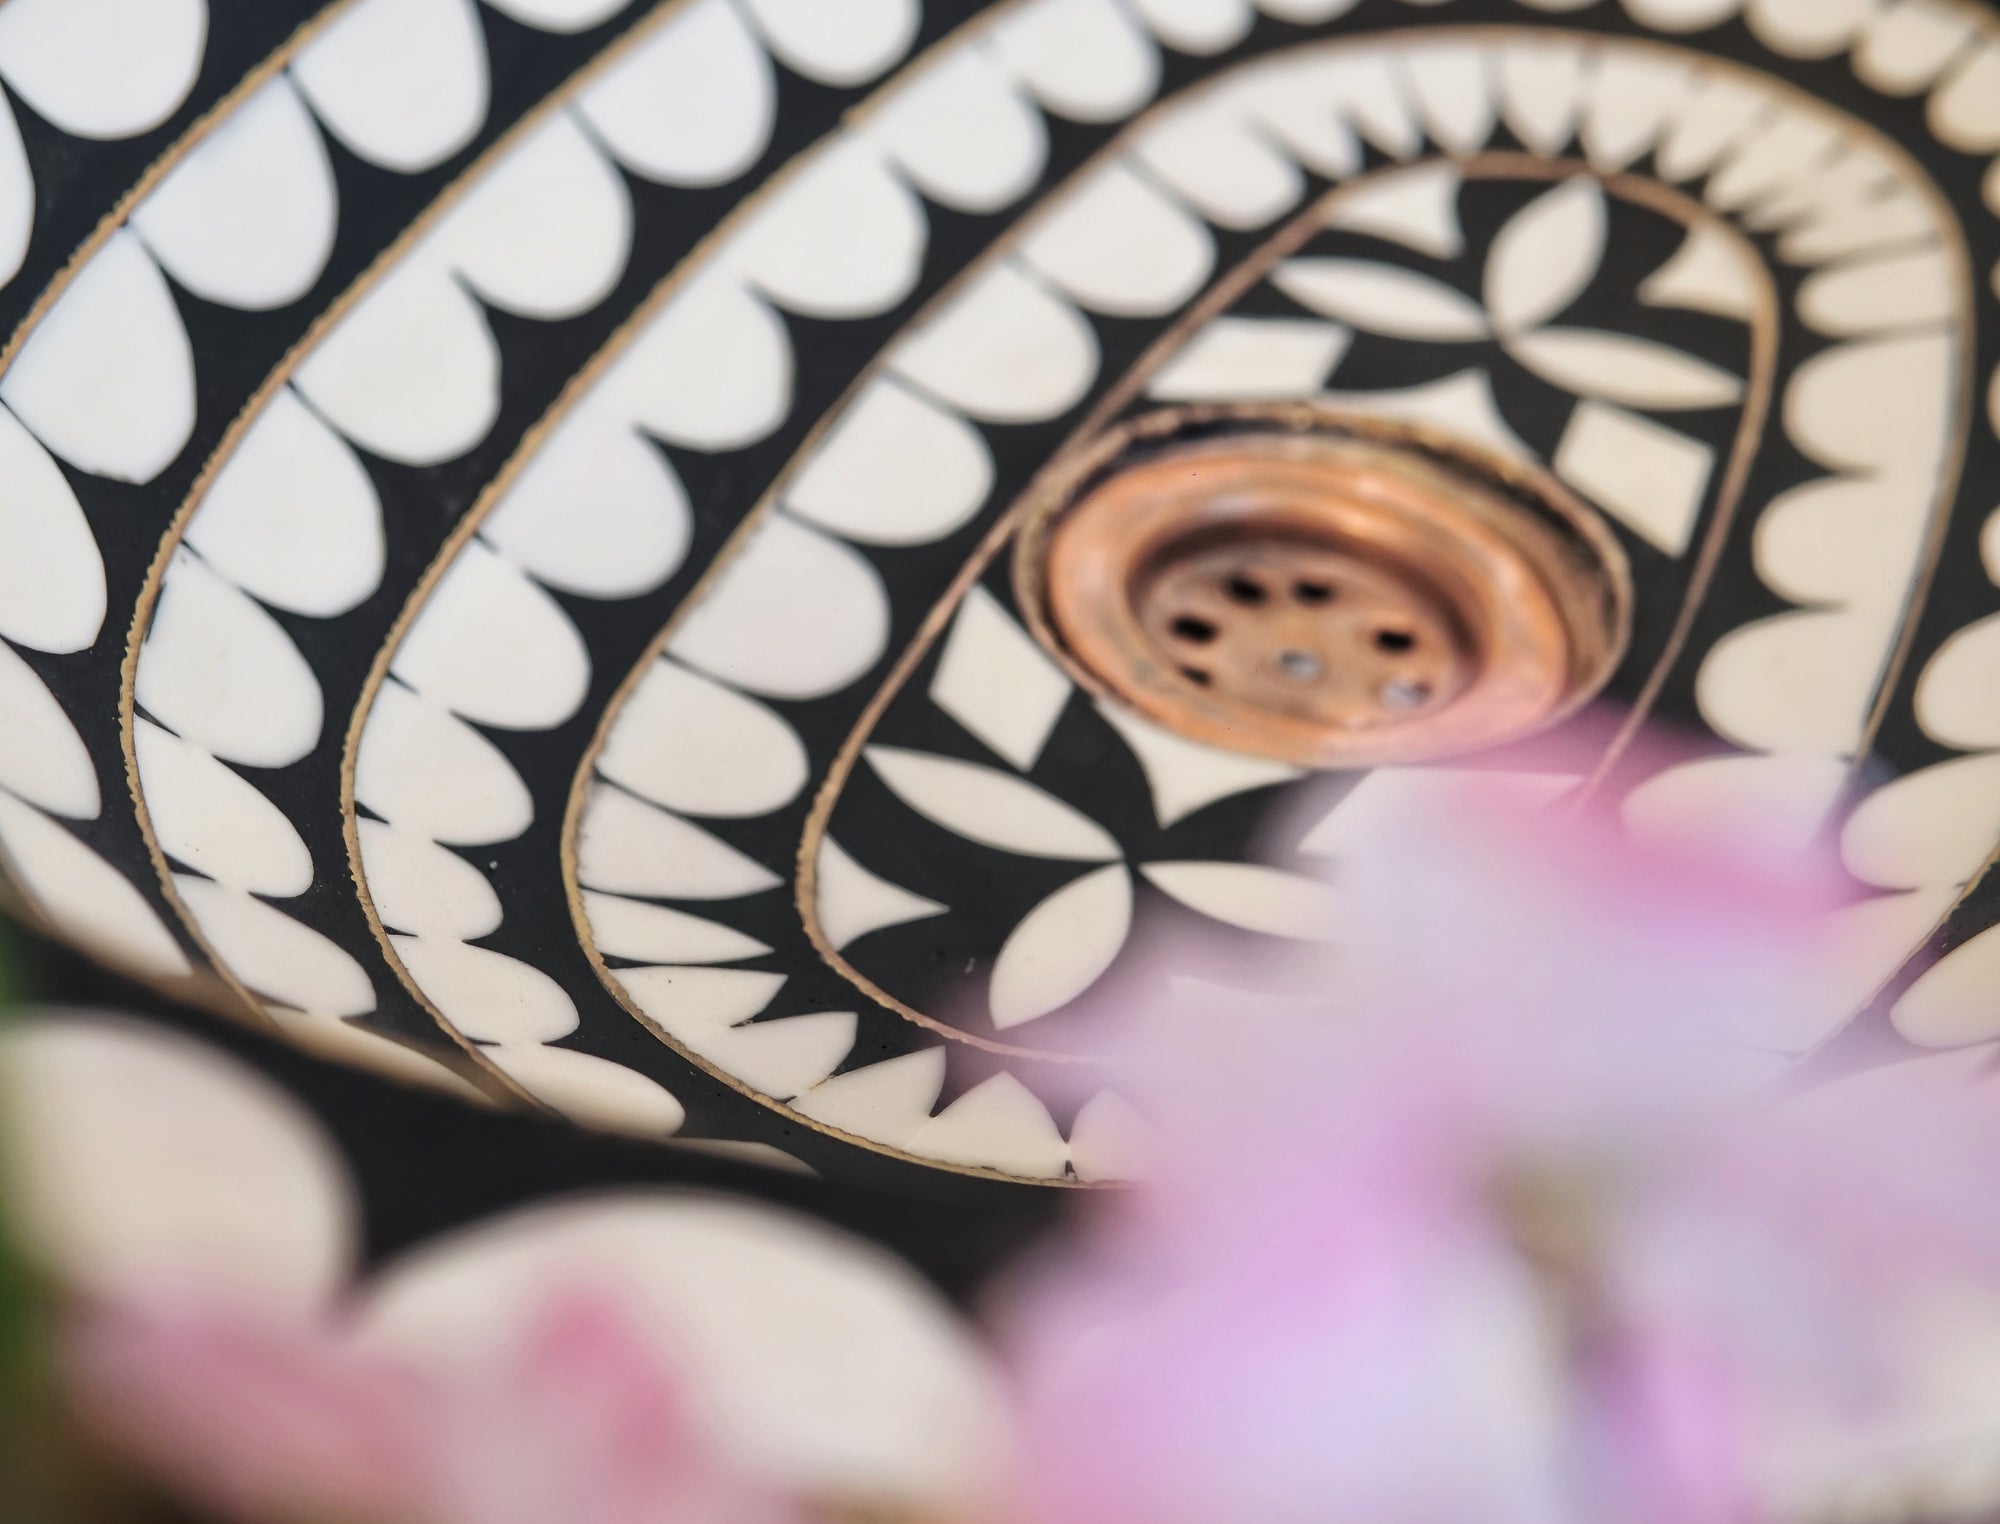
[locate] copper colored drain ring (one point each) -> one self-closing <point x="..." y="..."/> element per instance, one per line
<point x="1328" y="590"/>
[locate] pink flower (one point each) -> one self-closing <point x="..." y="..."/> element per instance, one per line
<point x="1514" y="1227"/>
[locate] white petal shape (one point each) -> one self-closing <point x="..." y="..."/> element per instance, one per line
<point x="794" y="614"/>
<point x="1683" y="15"/>
<point x="1462" y="403"/>
<point x="993" y="808"/>
<point x="1083" y="59"/>
<point x="1240" y="358"/>
<point x="848" y="44"/>
<point x="1859" y="226"/>
<point x="217" y="670"/>
<point x="1197" y="26"/>
<point x="425" y="770"/>
<point x="593" y="1091"/>
<point x="996" y="682"/>
<point x="1632" y="98"/>
<point x="1649" y="477"/>
<point x="17" y="199"/>
<point x="342" y="1042"/>
<point x="1454" y="92"/>
<point x="1965" y="108"/>
<point x="827" y="1365"/>
<point x="597" y="510"/>
<point x="886" y="1102"/>
<point x="1957" y="1001"/>
<point x="1061" y="947"/>
<point x="1905" y="290"/>
<point x="1713" y="271"/>
<point x="1417" y="208"/>
<point x="274" y="955"/>
<point x="624" y="928"/>
<point x="693" y="745"/>
<point x="88" y="901"/>
<point x="1778" y="160"/>
<point x="894" y="469"/>
<point x="488" y="996"/>
<point x="997" y="1124"/>
<point x="1798" y="682"/>
<point x="1908" y="44"/>
<point x="964" y="134"/>
<point x="704" y="1000"/>
<point x="1864" y="946"/>
<point x="1546" y="256"/>
<point x="493" y="646"/>
<point x="1364" y="87"/>
<point x="1183" y="775"/>
<point x="851" y="902"/>
<point x="778" y="1058"/>
<point x="292" y="517"/>
<point x="103" y="68"/>
<point x="1390" y="806"/>
<point x="558" y="15"/>
<point x="691" y="103"/>
<point x="1842" y="538"/>
<point x="713" y="370"/>
<point x="422" y="888"/>
<point x="1958" y="697"/>
<point x="1989" y="546"/>
<point x="51" y="575"/>
<point x="1384" y="299"/>
<point x="1809" y="28"/>
<point x="1249" y="895"/>
<point x="1874" y="405"/>
<point x="1932" y="829"/>
<point x="1306" y="11"/>
<point x="42" y="758"/>
<point x="628" y="847"/>
<point x="1110" y="1140"/>
<point x="1625" y="369"/>
<point x="841" y="238"/>
<point x="210" y="819"/>
<point x="411" y="372"/>
<point x="1288" y="99"/>
<point x="1004" y="349"/>
<point x="138" y="1158"/>
<point x="247" y="218"/>
<point x="1722" y="112"/>
<point x="400" y="82"/>
<point x="1760" y="807"/>
<point x="106" y="379"/>
<point x="1541" y="91"/>
<point x="1117" y="245"/>
<point x="1209" y="153"/>
<point x="546" y="231"/>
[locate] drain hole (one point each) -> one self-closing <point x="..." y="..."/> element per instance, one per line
<point x="1300" y="666"/>
<point x="1196" y="675"/>
<point x="1313" y="592"/>
<point x="1395" y="641"/>
<point x="1199" y="631"/>
<point x="1246" y="590"/>
<point x="1401" y="693"/>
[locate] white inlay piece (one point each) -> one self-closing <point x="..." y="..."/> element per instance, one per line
<point x="963" y="132"/>
<point x="218" y="670"/>
<point x="842" y="237"/>
<point x="1958" y="697"/>
<point x="1003" y="348"/>
<point x="1857" y="225"/>
<point x="1384" y="299"/>
<point x="486" y="995"/>
<point x="422" y="888"/>
<point x="1774" y="162"/>
<point x="138" y="1158"/>
<point x="998" y="1123"/>
<point x="851" y="901"/>
<point x="1935" y="827"/>
<point x="1417" y="208"/>
<point x="1541" y="90"/>
<point x="596" y="510"/>
<point x="247" y="218"/>
<point x="1876" y="404"/>
<point x="1249" y="895"/>
<point x="1185" y="776"/>
<point x="1197" y="26"/>
<point x="1452" y="86"/>
<point x="17" y="199"/>
<point x="1683" y="15"/>
<point x="693" y="745"/>
<point x="1110" y="1139"/>
<point x="1908" y="44"/>
<point x="400" y="82"/>
<point x="691" y="103"/>
<point x="593" y="1091"/>
<point x="495" y="647"/>
<point x="1632" y="97"/>
<point x="894" y="469"/>
<point x="686" y="1000"/>
<point x="1722" y="112"/>
<point x="1957" y="1000"/>
<point x="1809" y="28"/>
<point x="1207" y="152"/>
<point x="1306" y="11"/>
<point x="1061" y="947"/>
<point x="626" y="846"/>
<point x="1713" y="271"/>
<point x="88" y="900"/>
<point x="713" y="370"/>
<point x="1117" y="244"/>
<point x="1750" y="805"/>
<point x="42" y="758"/>
<point x="1965" y="107"/>
<point x="1365" y="88"/>
<point x="1240" y="358"/>
<point x="1083" y="59"/>
<point x="993" y="808"/>
<point x="1545" y="256"/>
<point x="342" y="1041"/>
<point x="1287" y="99"/>
<point x="411" y="371"/>
<point x="1391" y="806"/>
<point x="886" y="1102"/>
<point x="103" y="68"/>
<point x="848" y="44"/>
<point x="624" y="928"/>
<point x="778" y="1058"/>
<point x="996" y="682"/>
<point x="1462" y="403"/>
<point x="274" y="955"/>
<point x="1651" y="478"/>
<point x="794" y="614"/>
<point x="106" y="379"/>
<point x="558" y="15"/>
<point x="1839" y="538"/>
<point x="292" y="517"/>
<point x="1901" y="290"/>
<point x="546" y="231"/>
<point x="1622" y="368"/>
<point x="425" y="770"/>
<point x="209" y="818"/>
<point x="1797" y="682"/>
<point x="51" y="575"/>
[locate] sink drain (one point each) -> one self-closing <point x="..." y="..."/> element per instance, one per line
<point x="1329" y="590"/>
